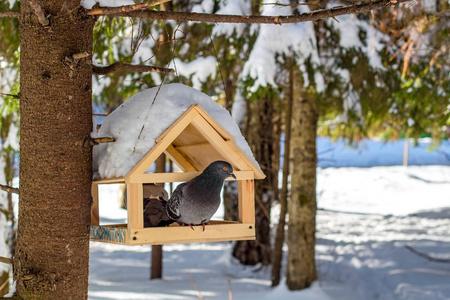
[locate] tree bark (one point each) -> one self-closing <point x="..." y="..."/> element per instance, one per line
<point x="157" y="251"/>
<point x="263" y="134"/>
<point x="301" y="266"/>
<point x="52" y="256"/>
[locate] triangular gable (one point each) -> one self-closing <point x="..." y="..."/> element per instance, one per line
<point x="213" y="143"/>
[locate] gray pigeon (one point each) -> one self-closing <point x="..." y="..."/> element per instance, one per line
<point x="195" y="202"/>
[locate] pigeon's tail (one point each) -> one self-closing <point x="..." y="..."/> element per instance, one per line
<point x="155" y="199"/>
<point x="155" y="213"/>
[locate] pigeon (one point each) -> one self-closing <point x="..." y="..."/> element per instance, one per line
<point x="155" y="199"/>
<point x="195" y="202"/>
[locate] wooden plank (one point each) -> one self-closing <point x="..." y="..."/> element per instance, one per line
<point x="190" y="111"/>
<point x="201" y="156"/>
<point x="184" y="234"/>
<point x="108" y="234"/>
<point x="162" y="143"/>
<point x="190" y="135"/>
<point x="95" y="218"/>
<point x="179" y="177"/>
<point x="179" y="159"/>
<point x="219" y="143"/>
<point x="195" y="146"/>
<point x="231" y="142"/>
<point x="214" y="123"/>
<point x="135" y="205"/>
<point x="110" y="180"/>
<point x="258" y="172"/>
<point x="246" y="201"/>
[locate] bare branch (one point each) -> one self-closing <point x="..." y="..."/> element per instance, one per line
<point x="125" y="8"/>
<point x="6" y="260"/>
<point x="304" y="17"/>
<point x="96" y="141"/>
<point x="9" y="189"/>
<point x="426" y="256"/>
<point x="9" y="14"/>
<point x="10" y="95"/>
<point x="81" y="55"/>
<point x="39" y="12"/>
<point x="120" y="66"/>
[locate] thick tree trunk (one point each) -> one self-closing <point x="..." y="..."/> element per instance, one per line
<point x="263" y="134"/>
<point x="52" y="256"/>
<point x="301" y="266"/>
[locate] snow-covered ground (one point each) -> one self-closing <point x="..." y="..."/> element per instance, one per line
<point x="366" y="218"/>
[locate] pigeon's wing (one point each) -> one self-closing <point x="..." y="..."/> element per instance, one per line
<point x="173" y="205"/>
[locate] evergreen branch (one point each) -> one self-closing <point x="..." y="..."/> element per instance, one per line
<point x="39" y="12"/>
<point x="120" y="66"/>
<point x="9" y="189"/>
<point x="10" y="95"/>
<point x="9" y="14"/>
<point x="125" y="8"/>
<point x="304" y="17"/>
<point x="426" y="256"/>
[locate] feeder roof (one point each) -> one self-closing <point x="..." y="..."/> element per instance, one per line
<point x="139" y="122"/>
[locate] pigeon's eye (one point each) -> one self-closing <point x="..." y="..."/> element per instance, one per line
<point x="224" y="168"/>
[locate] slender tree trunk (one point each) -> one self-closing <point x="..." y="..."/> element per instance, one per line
<point x="301" y="266"/>
<point x="157" y="251"/>
<point x="279" y="239"/>
<point x="263" y="134"/>
<point x="52" y="255"/>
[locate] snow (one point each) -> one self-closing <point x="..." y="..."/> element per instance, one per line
<point x="298" y="39"/>
<point x="199" y="70"/>
<point x="366" y="218"/>
<point x="372" y="152"/>
<point x="143" y="118"/>
<point x="232" y="7"/>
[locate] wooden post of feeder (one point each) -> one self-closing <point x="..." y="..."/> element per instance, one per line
<point x="246" y="201"/>
<point x="135" y="209"/>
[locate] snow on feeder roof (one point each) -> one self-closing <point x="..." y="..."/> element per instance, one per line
<point x="142" y="119"/>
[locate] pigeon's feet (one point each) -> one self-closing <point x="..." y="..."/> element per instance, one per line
<point x="190" y="225"/>
<point x="204" y="224"/>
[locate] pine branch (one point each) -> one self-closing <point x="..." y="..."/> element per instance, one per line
<point x="9" y="189"/>
<point x="426" y="256"/>
<point x="125" y="8"/>
<point x="304" y="17"/>
<point x="39" y="12"/>
<point x="120" y="66"/>
<point x="9" y="14"/>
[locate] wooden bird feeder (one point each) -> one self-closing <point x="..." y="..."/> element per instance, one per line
<point x="192" y="143"/>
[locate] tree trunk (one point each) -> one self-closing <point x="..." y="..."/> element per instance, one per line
<point x="263" y="134"/>
<point x="52" y="255"/>
<point x="280" y="234"/>
<point x="157" y="251"/>
<point x="301" y="266"/>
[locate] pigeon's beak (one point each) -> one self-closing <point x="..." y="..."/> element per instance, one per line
<point x="232" y="175"/>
